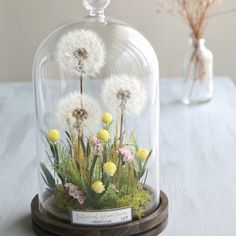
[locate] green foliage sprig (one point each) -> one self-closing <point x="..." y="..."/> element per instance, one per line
<point x="97" y="168"/>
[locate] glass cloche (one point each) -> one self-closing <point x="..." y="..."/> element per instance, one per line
<point x="97" y="106"/>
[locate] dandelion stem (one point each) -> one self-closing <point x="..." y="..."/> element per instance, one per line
<point x="80" y="149"/>
<point x="81" y="84"/>
<point x="78" y="144"/>
<point x="121" y="126"/>
<point x="121" y="134"/>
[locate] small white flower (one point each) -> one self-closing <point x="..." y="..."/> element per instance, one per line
<point x="82" y="52"/>
<point x="78" y="112"/>
<point x="126" y="93"/>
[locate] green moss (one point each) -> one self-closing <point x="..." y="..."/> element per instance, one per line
<point x="137" y="200"/>
<point x="63" y="201"/>
<point x="109" y="199"/>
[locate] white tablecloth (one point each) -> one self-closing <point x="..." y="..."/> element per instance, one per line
<point x="197" y="160"/>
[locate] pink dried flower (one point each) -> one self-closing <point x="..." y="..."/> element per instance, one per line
<point x="98" y="148"/>
<point x="75" y="192"/>
<point x="126" y="155"/>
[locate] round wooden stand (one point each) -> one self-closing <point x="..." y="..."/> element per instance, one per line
<point x="150" y="225"/>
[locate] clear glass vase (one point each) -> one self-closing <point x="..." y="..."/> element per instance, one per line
<point x="198" y="73"/>
<point x="96" y="83"/>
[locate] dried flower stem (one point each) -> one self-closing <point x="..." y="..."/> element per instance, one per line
<point x="222" y="12"/>
<point x="129" y="181"/>
<point x="194" y="13"/>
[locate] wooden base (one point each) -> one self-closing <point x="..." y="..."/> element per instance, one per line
<point x="150" y="225"/>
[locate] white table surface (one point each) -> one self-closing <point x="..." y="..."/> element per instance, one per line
<point x="197" y="160"/>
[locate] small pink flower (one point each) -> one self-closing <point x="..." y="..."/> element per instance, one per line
<point x="75" y="192"/>
<point x="126" y="154"/>
<point x="68" y="185"/>
<point x="97" y="146"/>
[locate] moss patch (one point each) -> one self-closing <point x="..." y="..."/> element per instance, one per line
<point x="137" y="200"/>
<point x="63" y="201"/>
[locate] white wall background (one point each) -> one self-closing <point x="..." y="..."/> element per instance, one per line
<point x="24" y="24"/>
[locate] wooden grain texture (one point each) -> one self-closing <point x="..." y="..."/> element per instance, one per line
<point x="197" y="161"/>
<point x="150" y="225"/>
<point x="152" y="232"/>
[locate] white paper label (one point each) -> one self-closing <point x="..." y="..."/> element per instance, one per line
<point x="108" y="217"/>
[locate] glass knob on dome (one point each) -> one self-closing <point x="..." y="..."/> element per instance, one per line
<point x="96" y="7"/>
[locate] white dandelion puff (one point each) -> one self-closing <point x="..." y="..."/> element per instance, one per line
<point x="81" y="51"/>
<point x="79" y="112"/>
<point x="126" y="93"/>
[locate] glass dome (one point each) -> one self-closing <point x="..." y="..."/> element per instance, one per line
<point x="96" y="84"/>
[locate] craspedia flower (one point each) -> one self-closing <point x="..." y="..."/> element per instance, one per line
<point x="98" y="187"/>
<point x="78" y="112"/>
<point x="143" y="154"/>
<point x="81" y="51"/>
<point x="53" y="135"/>
<point x="109" y="168"/>
<point x="107" y="118"/>
<point x="103" y="135"/>
<point x="126" y="93"/>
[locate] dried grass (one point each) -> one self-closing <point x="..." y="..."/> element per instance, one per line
<point x="195" y="13"/>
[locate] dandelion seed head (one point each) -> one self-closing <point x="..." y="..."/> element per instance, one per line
<point x="78" y="112"/>
<point x="126" y="93"/>
<point x="82" y="52"/>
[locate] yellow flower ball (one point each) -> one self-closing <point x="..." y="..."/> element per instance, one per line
<point x="103" y="135"/>
<point x="53" y="135"/>
<point x="109" y="168"/>
<point x="107" y="118"/>
<point x="98" y="187"/>
<point x="143" y="154"/>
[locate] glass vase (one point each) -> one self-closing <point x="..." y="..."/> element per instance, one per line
<point x="198" y="73"/>
<point x="96" y="83"/>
